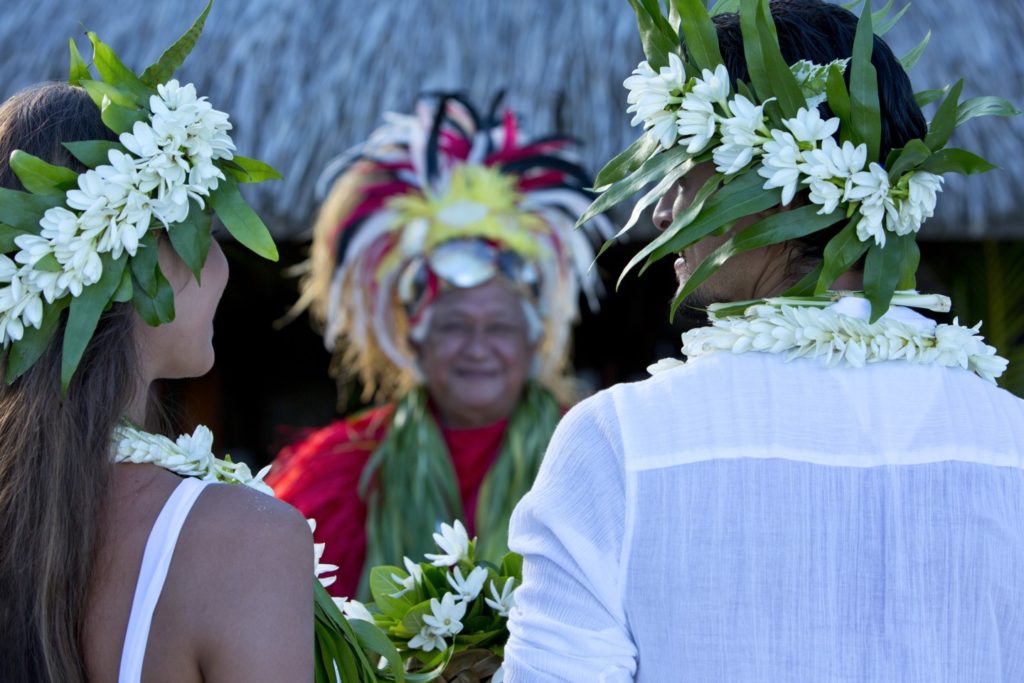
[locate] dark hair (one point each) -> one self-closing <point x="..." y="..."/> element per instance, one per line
<point x="54" y="448"/>
<point x="822" y="32"/>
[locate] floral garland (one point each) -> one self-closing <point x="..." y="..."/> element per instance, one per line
<point x="809" y="328"/>
<point x="83" y="241"/>
<point x="767" y="141"/>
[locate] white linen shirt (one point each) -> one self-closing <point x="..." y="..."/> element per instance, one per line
<point x="741" y="518"/>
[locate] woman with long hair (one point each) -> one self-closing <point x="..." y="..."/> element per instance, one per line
<point x="106" y="573"/>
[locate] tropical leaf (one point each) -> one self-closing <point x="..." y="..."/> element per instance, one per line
<point x="784" y="85"/>
<point x="910" y="262"/>
<point x="909" y="60"/>
<point x="866" y="120"/>
<point x="882" y="272"/>
<point x="944" y="123"/>
<point x="841" y="253"/>
<point x="85" y="313"/>
<point x="176" y="54"/>
<point x="7" y="236"/>
<point x="77" y="70"/>
<point x="652" y="195"/>
<point x="984" y="106"/>
<point x="884" y="25"/>
<point x="699" y="33"/>
<point x="246" y="170"/>
<point x="954" y="160"/>
<point x="241" y="221"/>
<point x="724" y="6"/>
<point x="653" y="169"/>
<point x="23" y="210"/>
<point x="626" y="162"/>
<point x="116" y="73"/>
<point x="839" y="100"/>
<point x="158" y="308"/>
<point x="40" y="177"/>
<point x="93" y="153"/>
<point x="26" y="352"/>
<point x="773" y="229"/>
<point x="926" y="97"/>
<point x="656" y="33"/>
<point x="911" y="156"/>
<point x="101" y="92"/>
<point x="121" y="119"/>
<point x="144" y="264"/>
<point x="191" y="238"/>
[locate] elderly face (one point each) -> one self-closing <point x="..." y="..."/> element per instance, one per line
<point x="476" y="354"/>
<point x="750" y="275"/>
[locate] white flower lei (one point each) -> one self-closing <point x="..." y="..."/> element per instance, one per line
<point x="802" y="328"/>
<point x="169" y="161"/>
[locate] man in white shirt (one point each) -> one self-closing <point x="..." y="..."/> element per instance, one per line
<point x="829" y="489"/>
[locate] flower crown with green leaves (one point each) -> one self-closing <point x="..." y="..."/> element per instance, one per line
<point x="768" y="141"/>
<point x="85" y="241"/>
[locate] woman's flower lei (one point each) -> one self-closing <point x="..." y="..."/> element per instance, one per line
<point x="818" y="328"/>
<point x="768" y="141"/>
<point x="84" y="241"/>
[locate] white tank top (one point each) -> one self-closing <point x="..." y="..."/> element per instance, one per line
<point x="156" y="560"/>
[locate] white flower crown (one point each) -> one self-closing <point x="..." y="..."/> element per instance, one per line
<point x="85" y="241"/>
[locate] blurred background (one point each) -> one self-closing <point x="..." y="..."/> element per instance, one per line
<point x="304" y="80"/>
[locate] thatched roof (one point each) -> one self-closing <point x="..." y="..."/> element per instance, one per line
<point x="305" y="79"/>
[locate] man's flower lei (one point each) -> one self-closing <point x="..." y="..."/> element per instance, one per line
<point x="84" y="241"/>
<point x="805" y="328"/>
<point x="768" y="141"/>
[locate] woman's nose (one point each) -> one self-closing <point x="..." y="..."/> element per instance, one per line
<point x="662" y="216"/>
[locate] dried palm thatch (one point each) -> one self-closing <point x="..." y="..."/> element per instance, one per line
<point x="305" y="80"/>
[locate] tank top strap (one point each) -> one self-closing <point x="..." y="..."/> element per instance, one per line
<point x="156" y="560"/>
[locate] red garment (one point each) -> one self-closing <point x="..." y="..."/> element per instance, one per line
<point x="319" y="475"/>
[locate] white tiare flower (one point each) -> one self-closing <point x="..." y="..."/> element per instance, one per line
<point x="502" y="602"/>
<point x="834" y="161"/>
<point x="808" y="126"/>
<point x="469" y="587"/>
<point x="825" y="193"/>
<point x="81" y="262"/>
<point x="782" y="159"/>
<point x="908" y="214"/>
<point x="353" y="609"/>
<point x="445" y="617"/>
<point x="654" y="96"/>
<point x="871" y="189"/>
<point x="410" y="582"/>
<point x="320" y="570"/>
<point x="712" y="86"/>
<point x="454" y="541"/>
<point x="8" y="268"/>
<point x="427" y="640"/>
<point x="743" y="133"/>
<point x="31" y="248"/>
<point x="197" y="446"/>
<point x="696" y="122"/>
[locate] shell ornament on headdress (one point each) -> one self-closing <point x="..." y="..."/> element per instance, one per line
<point x="439" y="199"/>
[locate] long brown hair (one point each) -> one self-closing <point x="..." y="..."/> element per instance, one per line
<point x="54" y="448"/>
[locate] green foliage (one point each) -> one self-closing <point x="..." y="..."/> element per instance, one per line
<point x="172" y="59"/>
<point x="910" y="157"/>
<point x="984" y="106"/>
<point x="626" y="162"/>
<point x="157" y="308"/>
<point x="343" y="647"/>
<point x="246" y="170"/>
<point x="701" y="37"/>
<point x="773" y="229"/>
<point x="23" y="211"/>
<point x="115" y="73"/>
<point x="652" y="170"/>
<point x="26" y="352"/>
<point x="40" y="177"/>
<point x="943" y="124"/>
<point x="7" y="236"/>
<point x="656" y="33"/>
<point x="85" y="314"/>
<point x="77" y="70"/>
<point x="241" y="221"/>
<point x="882" y="272"/>
<point x="191" y="238"/>
<point x="93" y="153"/>
<point x="954" y="160"/>
<point x="841" y="253"/>
<point x="909" y="60"/>
<point x="865" y="116"/>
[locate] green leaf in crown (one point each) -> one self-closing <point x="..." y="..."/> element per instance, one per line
<point x="83" y="242"/>
<point x="768" y="141"/>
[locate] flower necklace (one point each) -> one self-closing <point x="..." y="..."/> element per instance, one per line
<point x="836" y="328"/>
<point x="191" y="455"/>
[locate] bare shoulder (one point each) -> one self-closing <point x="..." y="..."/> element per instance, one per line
<point x="238" y="526"/>
<point x="246" y="571"/>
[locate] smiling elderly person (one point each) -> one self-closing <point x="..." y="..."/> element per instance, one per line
<point x="446" y="273"/>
